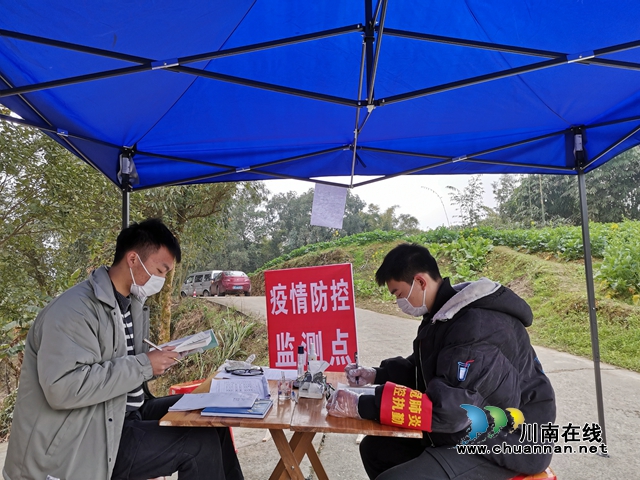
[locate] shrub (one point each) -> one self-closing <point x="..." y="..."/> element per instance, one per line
<point x="620" y="268"/>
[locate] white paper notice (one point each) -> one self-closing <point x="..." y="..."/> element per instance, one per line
<point x="328" y="206"/>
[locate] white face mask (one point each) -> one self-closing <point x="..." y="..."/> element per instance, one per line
<point x="409" y="309"/>
<point x="153" y="285"/>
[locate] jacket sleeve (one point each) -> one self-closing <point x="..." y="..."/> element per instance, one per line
<point x="399" y="370"/>
<point x="70" y="367"/>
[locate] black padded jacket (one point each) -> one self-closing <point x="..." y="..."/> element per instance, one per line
<point x="484" y="322"/>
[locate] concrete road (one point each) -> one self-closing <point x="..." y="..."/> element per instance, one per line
<point x="383" y="336"/>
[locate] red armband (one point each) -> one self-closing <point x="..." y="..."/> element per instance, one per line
<point x="403" y="407"/>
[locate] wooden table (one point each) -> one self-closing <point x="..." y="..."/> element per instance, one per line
<point x="305" y="419"/>
<point x="310" y="417"/>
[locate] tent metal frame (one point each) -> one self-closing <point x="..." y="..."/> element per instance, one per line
<point x="372" y="30"/>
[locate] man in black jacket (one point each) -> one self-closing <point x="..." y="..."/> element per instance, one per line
<point x="472" y="349"/>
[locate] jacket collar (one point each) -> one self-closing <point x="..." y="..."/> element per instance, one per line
<point x="103" y="288"/>
<point x="444" y="293"/>
<point x="464" y="294"/>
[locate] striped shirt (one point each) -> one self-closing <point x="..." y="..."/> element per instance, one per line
<point x="135" y="398"/>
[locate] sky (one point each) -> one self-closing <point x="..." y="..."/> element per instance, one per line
<point x="408" y="193"/>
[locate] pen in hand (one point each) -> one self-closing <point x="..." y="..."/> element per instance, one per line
<point x="355" y="355"/>
<point x="151" y="344"/>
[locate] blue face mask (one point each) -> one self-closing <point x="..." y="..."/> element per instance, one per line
<point x="409" y="309"/>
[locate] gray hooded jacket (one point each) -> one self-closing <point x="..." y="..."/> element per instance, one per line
<point x="73" y="386"/>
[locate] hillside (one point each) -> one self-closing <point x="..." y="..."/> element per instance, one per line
<point x="555" y="290"/>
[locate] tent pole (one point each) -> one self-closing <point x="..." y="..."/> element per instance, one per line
<point x="125" y="202"/>
<point x="126" y="164"/>
<point x="588" y="268"/>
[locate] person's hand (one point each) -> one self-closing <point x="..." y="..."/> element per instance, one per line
<point x="161" y="360"/>
<point x="359" y="376"/>
<point x="343" y="403"/>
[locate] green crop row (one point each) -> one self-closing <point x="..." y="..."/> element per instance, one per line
<point x="618" y="245"/>
<point x="364" y="238"/>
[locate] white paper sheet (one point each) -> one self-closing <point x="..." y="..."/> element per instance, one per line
<point x="328" y="206"/>
<point x="366" y="390"/>
<point x="256" y="384"/>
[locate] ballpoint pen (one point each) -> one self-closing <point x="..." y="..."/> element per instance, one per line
<point x="151" y="344"/>
<point x="355" y="355"/>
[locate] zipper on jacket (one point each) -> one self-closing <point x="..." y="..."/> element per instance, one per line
<point x="425" y="386"/>
<point x="429" y="437"/>
<point x="421" y="368"/>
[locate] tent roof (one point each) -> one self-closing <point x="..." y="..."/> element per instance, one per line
<point x="206" y="91"/>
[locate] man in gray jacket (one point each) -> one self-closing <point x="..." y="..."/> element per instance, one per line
<point x="81" y="413"/>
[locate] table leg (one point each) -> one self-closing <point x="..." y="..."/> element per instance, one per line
<point x="278" y="471"/>
<point x="316" y="463"/>
<point x="301" y="444"/>
<point x="289" y="464"/>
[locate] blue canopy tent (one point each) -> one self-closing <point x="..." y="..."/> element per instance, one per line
<point x="164" y="93"/>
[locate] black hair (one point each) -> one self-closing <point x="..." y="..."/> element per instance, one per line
<point x="404" y="262"/>
<point x="146" y="238"/>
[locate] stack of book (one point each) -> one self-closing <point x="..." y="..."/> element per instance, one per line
<point x="259" y="409"/>
<point x="225" y="403"/>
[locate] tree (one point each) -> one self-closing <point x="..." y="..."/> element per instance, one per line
<point x="60" y="220"/>
<point x="469" y="201"/>
<point x="244" y="229"/>
<point x="613" y="190"/>
<point x="288" y="226"/>
<point x="56" y="214"/>
<point x="613" y="194"/>
<point x="289" y="216"/>
<point x="503" y="190"/>
<point x="388" y="220"/>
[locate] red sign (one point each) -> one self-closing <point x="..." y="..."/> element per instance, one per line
<point x="311" y="305"/>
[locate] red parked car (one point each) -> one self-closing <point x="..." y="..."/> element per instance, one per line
<point x="231" y="282"/>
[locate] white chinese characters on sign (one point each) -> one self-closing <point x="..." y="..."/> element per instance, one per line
<point x="284" y="355"/>
<point x="299" y="297"/>
<point x="318" y="297"/>
<point x="339" y="295"/>
<point x="279" y="300"/>
<point x="339" y="352"/>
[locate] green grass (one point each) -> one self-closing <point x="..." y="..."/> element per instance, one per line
<point x="238" y="335"/>
<point x="557" y="294"/>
